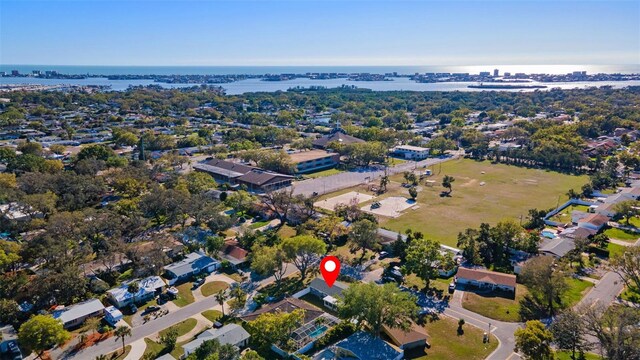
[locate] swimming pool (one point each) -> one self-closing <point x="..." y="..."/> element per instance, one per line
<point x="548" y="234"/>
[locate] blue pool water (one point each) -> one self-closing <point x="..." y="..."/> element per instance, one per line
<point x="548" y="234"/>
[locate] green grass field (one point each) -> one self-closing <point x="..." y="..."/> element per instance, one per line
<point x="213" y="287"/>
<point x="322" y="173"/>
<point x="182" y="327"/>
<point x="495" y="307"/>
<point x="565" y="355"/>
<point x="615" y="249"/>
<point x="446" y="344"/>
<point x="185" y="297"/>
<point x="212" y="315"/>
<point x="620" y="234"/>
<point x="508" y="192"/>
<point x="505" y="309"/>
<point x="577" y="289"/>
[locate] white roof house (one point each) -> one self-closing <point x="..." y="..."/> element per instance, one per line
<point x="76" y="314"/>
<point x="121" y="296"/>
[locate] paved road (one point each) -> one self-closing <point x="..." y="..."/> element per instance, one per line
<point x="148" y="329"/>
<point x="605" y="291"/>
<point x="501" y="330"/>
<point x="329" y="184"/>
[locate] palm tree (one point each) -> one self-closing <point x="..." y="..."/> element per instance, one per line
<point x="447" y="181"/>
<point x="384" y="181"/>
<point x="122" y="332"/>
<point x="101" y="357"/>
<point x="133" y="289"/>
<point x="221" y="297"/>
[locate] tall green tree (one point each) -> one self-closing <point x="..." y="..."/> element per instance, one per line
<point x="447" y="182"/>
<point x="274" y="328"/>
<point x="545" y="281"/>
<point x="374" y="306"/>
<point x="303" y="251"/>
<point x="569" y="333"/>
<point x="122" y="332"/>
<point x="41" y="332"/>
<point x="534" y="341"/>
<point x="363" y="237"/>
<point x="269" y="260"/>
<point x="423" y="258"/>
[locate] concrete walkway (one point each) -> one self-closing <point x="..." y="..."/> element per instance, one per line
<point x="202" y="325"/>
<point x="137" y="350"/>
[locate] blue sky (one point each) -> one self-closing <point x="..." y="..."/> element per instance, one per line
<point x="304" y="32"/>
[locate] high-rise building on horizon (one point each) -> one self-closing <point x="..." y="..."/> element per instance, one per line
<point x="496" y="72"/>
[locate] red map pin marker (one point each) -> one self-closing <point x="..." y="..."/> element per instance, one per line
<point x="330" y="269"/>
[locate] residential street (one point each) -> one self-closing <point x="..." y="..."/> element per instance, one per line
<point x="148" y="329"/>
<point x="501" y="330"/>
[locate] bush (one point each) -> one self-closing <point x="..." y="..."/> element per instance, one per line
<point x="338" y="332"/>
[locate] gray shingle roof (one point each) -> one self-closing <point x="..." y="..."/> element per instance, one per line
<point x="189" y="264"/>
<point x="229" y="334"/>
<point x="321" y="286"/>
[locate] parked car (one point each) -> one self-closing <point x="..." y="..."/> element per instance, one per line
<point x="383" y="254"/>
<point x="133" y="308"/>
<point x="198" y="283"/>
<point x="150" y="309"/>
<point x="376" y="205"/>
<point x="452" y="287"/>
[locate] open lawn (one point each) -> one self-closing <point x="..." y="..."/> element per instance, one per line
<point x="185" y="297"/>
<point x="566" y="355"/>
<point x="621" y="234"/>
<point x="508" y="192"/>
<point x="286" y="232"/>
<point x="615" y="249"/>
<point x="577" y="289"/>
<point x="213" y="287"/>
<point x="446" y="344"/>
<point x="182" y="327"/>
<point x="494" y="306"/>
<point x="259" y="224"/>
<point x="322" y="173"/>
<point x="212" y="315"/>
<point x="564" y="216"/>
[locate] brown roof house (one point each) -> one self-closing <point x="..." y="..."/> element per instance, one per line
<point x="593" y="222"/>
<point x="486" y="279"/>
<point x="233" y="253"/>
<point x="416" y="337"/>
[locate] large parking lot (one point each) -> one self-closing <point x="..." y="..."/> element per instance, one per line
<point x="348" y="198"/>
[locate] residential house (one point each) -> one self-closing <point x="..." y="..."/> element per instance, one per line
<point x="112" y="315"/>
<point x="74" y="315"/>
<point x="486" y="279"/>
<point x="9" y="348"/>
<point x="232" y="334"/>
<point x="557" y="247"/>
<point x="148" y="288"/>
<point x="314" y="324"/>
<point x="314" y="160"/>
<point x="593" y="222"/>
<point x="193" y="264"/>
<point x="411" y="152"/>
<point x="416" y="337"/>
<point x="234" y="254"/>
<point x="364" y="346"/>
<point x="328" y="295"/>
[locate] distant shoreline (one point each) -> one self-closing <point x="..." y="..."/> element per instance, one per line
<point x="503" y="86"/>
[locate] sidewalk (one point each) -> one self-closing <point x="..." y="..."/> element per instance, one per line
<point x="137" y="350"/>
